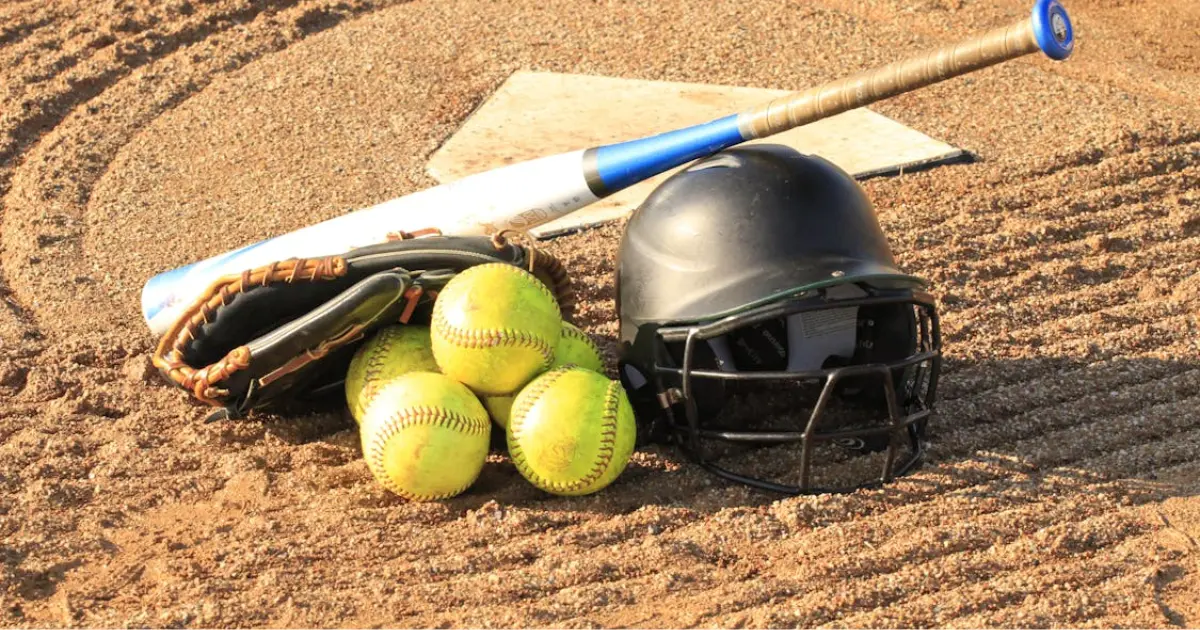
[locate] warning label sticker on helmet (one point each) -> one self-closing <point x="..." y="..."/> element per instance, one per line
<point x="828" y="321"/>
<point x="815" y="336"/>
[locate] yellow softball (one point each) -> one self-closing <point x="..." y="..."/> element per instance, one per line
<point x="499" y="408"/>
<point x="425" y="436"/>
<point x="391" y="352"/>
<point x="495" y="327"/>
<point x="576" y="347"/>
<point x="571" y="431"/>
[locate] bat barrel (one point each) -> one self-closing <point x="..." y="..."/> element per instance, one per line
<point x="1047" y="29"/>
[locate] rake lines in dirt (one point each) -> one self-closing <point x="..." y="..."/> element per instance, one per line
<point x="1088" y="324"/>
<point x="629" y="566"/>
<point x="1090" y="300"/>
<point x="969" y="372"/>
<point x="823" y="594"/>
<point x="1106" y="344"/>
<point x="986" y="473"/>
<point x="58" y="132"/>
<point x="1056" y="583"/>
<point x="1103" y="386"/>
<point x="970" y="235"/>
<point x="20" y="24"/>
<point x="1003" y="192"/>
<point x="140" y="44"/>
<point x="1063" y="264"/>
<point x="967" y="426"/>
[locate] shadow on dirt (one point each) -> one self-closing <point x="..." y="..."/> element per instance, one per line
<point x="32" y="585"/>
<point x="1062" y="423"/>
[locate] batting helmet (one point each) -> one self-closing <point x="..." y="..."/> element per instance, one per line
<point x="757" y="271"/>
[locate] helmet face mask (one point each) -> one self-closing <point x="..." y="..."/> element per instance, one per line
<point x="818" y="345"/>
<point x="865" y="403"/>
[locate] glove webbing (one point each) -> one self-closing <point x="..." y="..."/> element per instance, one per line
<point x="547" y="268"/>
<point x="168" y="356"/>
<point x="541" y="264"/>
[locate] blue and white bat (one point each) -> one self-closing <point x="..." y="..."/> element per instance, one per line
<point x="528" y="194"/>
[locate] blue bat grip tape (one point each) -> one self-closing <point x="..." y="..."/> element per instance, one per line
<point x="624" y="164"/>
<point x="1052" y="29"/>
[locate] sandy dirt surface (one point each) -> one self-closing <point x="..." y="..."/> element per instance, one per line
<point x="136" y="136"/>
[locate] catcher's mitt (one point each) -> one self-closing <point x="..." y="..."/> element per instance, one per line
<point x="288" y="330"/>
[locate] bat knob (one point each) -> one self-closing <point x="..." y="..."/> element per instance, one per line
<point x="1052" y="29"/>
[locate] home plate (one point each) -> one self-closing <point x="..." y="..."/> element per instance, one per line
<point x="535" y="114"/>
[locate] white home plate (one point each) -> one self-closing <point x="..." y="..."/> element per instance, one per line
<point x="535" y="114"/>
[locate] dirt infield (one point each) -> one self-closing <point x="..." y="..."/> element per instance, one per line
<point x="137" y="136"/>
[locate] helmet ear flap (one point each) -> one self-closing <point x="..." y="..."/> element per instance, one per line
<point x="656" y="397"/>
<point x="644" y="399"/>
<point x="709" y="395"/>
<point x="886" y="333"/>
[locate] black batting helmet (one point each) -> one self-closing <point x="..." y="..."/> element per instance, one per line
<point x="761" y="270"/>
